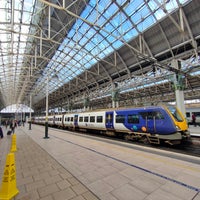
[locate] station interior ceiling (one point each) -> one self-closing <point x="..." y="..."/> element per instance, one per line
<point x="85" y="53"/>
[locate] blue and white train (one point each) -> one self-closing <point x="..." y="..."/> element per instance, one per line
<point x="149" y="124"/>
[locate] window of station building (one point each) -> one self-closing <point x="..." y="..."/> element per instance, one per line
<point x="120" y="119"/>
<point x="99" y="119"/>
<point x="92" y="118"/>
<point x="133" y="119"/>
<point x="80" y="119"/>
<point x="85" y="119"/>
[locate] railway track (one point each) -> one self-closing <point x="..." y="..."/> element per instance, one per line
<point x="191" y="148"/>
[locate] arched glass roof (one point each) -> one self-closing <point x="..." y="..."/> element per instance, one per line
<point x="113" y="24"/>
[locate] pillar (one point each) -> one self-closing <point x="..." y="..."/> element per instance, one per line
<point x="115" y="96"/>
<point x="179" y="87"/>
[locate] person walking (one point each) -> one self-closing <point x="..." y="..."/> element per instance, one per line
<point x="193" y="119"/>
<point x="12" y="126"/>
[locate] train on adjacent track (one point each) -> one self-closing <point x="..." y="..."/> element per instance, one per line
<point x="154" y="124"/>
<point x="196" y="112"/>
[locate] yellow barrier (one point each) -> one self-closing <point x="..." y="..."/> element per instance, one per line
<point x="8" y="187"/>
<point x="14" y="143"/>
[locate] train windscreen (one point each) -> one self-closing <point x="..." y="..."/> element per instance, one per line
<point x="175" y="113"/>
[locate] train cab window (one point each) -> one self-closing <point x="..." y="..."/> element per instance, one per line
<point x="120" y="119"/>
<point x="80" y="119"/>
<point x="175" y="113"/>
<point x="92" y="118"/>
<point x="133" y="119"/>
<point x="99" y="119"/>
<point x="85" y="119"/>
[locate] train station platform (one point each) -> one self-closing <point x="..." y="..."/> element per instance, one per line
<point x="81" y="167"/>
<point x="194" y="130"/>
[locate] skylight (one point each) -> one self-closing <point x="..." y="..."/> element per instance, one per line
<point x="116" y="22"/>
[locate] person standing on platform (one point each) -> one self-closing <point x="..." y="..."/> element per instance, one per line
<point x="1" y="132"/>
<point x="193" y="119"/>
<point x="12" y="126"/>
<point x="6" y="124"/>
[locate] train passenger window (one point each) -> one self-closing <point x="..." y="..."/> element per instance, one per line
<point x="133" y="119"/>
<point x="92" y="118"/>
<point x="99" y="119"/>
<point x="158" y="115"/>
<point x="68" y="119"/>
<point x="72" y="119"/>
<point x="80" y="119"/>
<point x="187" y="114"/>
<point x="197" y="114"/>
<point x="152" y="115"/>
<point x="85" y="119"/>
<point x="109" y="118"/>
<point x="120" y="119"/>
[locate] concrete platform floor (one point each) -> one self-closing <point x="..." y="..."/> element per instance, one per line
<point x="78" y="167"/>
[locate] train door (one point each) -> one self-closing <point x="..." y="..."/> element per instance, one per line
<point x="63" y="118"/>
<point x="75" y="120"/>
<point x="109" y="120"/>
<point x="54" y="120"/>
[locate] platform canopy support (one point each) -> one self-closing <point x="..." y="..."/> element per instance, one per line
<point x="86" y="103"/>
<point x="115" y="95"/>
<point x="178" y="82"/>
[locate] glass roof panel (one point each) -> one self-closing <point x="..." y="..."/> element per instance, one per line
<point x="109" y="24"/>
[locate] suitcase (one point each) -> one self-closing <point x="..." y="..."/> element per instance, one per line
<point x="9" y="132"/>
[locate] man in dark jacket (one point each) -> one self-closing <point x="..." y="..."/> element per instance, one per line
<point x="1" y="132"/>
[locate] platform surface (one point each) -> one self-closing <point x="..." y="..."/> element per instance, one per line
<point x="79" y="167"/>
<point x="194" y="130"/>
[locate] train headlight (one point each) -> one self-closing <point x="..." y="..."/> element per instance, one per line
<point x="177" y="128"/>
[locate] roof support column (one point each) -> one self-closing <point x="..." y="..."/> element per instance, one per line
<point x="86" y="103"/>
<point x="49" y="24"/>
<point x="115" y="95"/>
<point x="179" y="87"/>
<point x="30" y="112"/>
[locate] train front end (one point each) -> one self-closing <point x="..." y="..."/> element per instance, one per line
<point x="179" y="121"/>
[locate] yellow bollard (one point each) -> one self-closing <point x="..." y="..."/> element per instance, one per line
<point x="14" y="143"/>
<point x="9" y="187"/>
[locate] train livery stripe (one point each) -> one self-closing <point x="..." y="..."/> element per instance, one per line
<point x="135" y="166"/>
